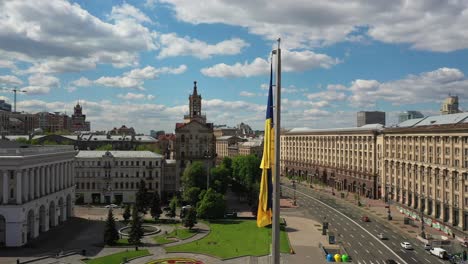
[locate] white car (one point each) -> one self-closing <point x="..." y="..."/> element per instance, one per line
<point x="112" y="206"/>
<point x="406" y="245"/>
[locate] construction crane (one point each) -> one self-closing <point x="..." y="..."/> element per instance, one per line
<point x="15" y="91"/>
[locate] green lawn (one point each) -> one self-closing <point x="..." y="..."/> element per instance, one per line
<point x="118" y="257"/>
<point x="178" y="232"/>
<point x="233" y="238"/>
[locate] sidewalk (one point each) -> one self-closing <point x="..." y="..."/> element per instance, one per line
<point x="377" y="209"/>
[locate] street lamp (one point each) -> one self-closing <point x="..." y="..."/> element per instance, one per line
<point x="294" y="187"/>
<point x="423" y="234"/>
<point x="388" y="193"/>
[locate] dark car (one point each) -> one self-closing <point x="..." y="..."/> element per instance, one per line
<point x="365" y="218"/>
<point x="390" y="261"/>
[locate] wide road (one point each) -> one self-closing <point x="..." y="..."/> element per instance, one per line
<point x="358" y="237"/>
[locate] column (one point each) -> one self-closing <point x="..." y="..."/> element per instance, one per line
<point x="72" y="167"/>
<point x="37" y="182"/>
<point x="32" y="187"/>
<point x="451" y="196"/>
<point x="461" y="195"/>
<point x="25" y="183"/>
<point x="434" y="188"/>
<point x="68" y="173"/>
<point x="62" y="175"/>
<point x="18" y="187"/>
<point x="5" y="187"/>
<point x="52" y="177"/>
<point x="43" y="189"/>
<point x="427" y="175"/>
<point x="48" y="171"/>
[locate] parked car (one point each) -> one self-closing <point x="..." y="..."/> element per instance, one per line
<point x="112" y="206"/>
<point x="406" y="245"/>
<point x="439" y="252"/>
<point x="427" y="246"/>
<point x="390" y="261"/>
<point x="382" y="236"/>
<point x="365" y="218"/>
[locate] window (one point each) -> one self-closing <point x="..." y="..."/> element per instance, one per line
<point x="94" y="185"/>
<point x="131" y="163"/>
<point x="116" y="185"/>
<point x="131" y="185"/>
<point x="137" y="174"/>
<point x="126" y="185"/>
<point x="12" y="193"/>
<point x="138" y="163"/>
<point x="150" y="186"/>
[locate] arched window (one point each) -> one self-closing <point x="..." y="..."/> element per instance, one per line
<point x="182" y="138"/>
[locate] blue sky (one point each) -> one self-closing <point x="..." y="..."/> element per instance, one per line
<point x="134" y="62"/>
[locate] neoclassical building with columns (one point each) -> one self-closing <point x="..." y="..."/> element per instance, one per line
<point x="344" y="158"/>
<point x="425" y="168"/>
<point x="37" y="190"/>
<point x="421" y="165"/>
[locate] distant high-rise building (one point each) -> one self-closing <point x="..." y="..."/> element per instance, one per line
<point x="5" y="106"/>
<point x="370" y="117"/>
<point x="407" y="115"/>
<point x="450" y="105"/>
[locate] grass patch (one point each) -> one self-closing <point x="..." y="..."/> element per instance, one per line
<point x="178" y="233"/>
<point x="122" y="242"/>
<point x="118" y="257"/>
<point x="228" y="239"/>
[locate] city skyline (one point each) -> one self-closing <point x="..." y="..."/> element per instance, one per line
<point x="134" y="63"/>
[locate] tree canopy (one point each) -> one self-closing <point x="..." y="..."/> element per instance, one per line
<point x="194" y="176"/>
<point x="212" y="206"/>
<point x="141" y="200"/>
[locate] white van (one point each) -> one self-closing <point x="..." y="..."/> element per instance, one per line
<point x="439" y="252"/>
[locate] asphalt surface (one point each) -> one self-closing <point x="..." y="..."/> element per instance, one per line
<point x="359" y="238"/>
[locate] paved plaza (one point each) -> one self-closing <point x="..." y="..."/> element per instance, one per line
<point x="85" y="232"/>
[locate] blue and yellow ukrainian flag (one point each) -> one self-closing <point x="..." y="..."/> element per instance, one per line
<point x="264" y="212"/>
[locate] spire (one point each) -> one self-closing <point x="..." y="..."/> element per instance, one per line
<point x="195" y="88"/>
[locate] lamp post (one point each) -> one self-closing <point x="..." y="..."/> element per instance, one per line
<point x="423" y="234"/>
<point x="294" y="187"/>
<point x="387" y="194"/>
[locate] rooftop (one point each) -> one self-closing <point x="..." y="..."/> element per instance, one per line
<point x="12" y="148"/>
<point x="450" y="119"/>
<point x="374" y="127"/>
<point x="118" y="154"/>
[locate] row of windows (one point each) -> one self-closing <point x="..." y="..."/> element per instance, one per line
<point x="430" y="139"/>
<point x="117" y="185"/>
<point x="117" y="163"/>
<point x="137" y="174"/>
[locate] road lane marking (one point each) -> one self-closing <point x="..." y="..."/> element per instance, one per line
<point x="362" y="236"/>
<point x="393" y="243"/>
<point x="380" y="252"/>
<point x="394" y="237"/>
<point x="355" y="251"/>
<point x="414" y="259"/>
<point x="427" y="260"/>
<point x="360" y="243"/>
<point x="351" y="220"/>
<point x="351" y="235"/>
<point x="370" y="242"/>
<point x="367" y="251"/>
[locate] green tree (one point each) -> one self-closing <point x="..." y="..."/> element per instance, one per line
<point x="191" y="195"/>
<point x="22" y="140"/>
<point x="105" y="147"/>
<point x="212" y="206"/>
<point x="219" y="179"/>
<point x="194" y="176"/>
<point x="136" y="230"/>
<point x="141" y="198"/>
<point x="172" y="207"/>
<point x="246" y="173"/>
<point x="127" y="213"/>
<point x="149" y="147"/>
<point x="227" y="163"/>
<point x="190" y="218"/>
<point x="155" y="209"/>
<point x="110" y="232"/>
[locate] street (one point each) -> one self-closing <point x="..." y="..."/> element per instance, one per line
<point x="358" y="237"/>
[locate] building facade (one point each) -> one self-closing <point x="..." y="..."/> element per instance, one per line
<point x="407" y="115"/>
<point x="78" y="120"/>
<point x="450" y="106"/>
<point x="370" y="117"/>
<point x="425" y="168"/>
<point x="114" y="176"/>
<point x="4" y="106"/>
<point x="195" y="140"/>
<point x="342" y="158"/>
<point x="38" y="190"/>
<point x="224" y="144"/>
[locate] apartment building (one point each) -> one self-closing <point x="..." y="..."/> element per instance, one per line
<point x="114" y="176"/>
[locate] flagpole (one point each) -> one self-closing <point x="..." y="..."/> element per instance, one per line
<point x="276" y="171"/>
